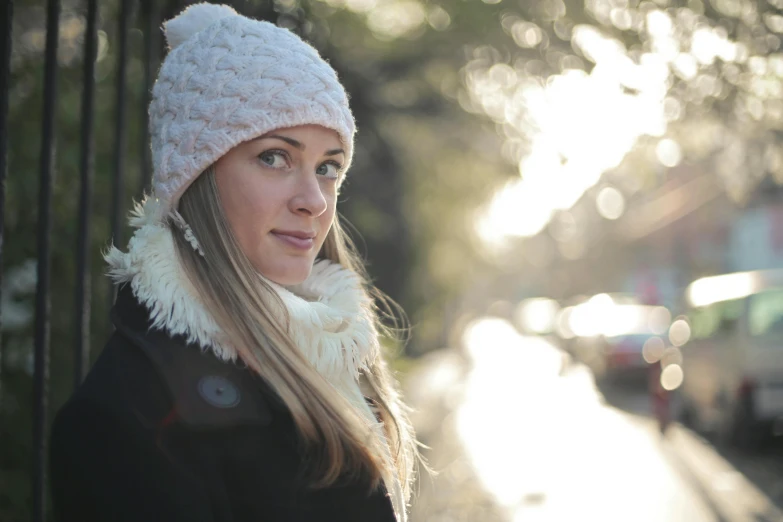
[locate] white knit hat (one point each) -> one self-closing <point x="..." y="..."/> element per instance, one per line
<point x="226" y="80"/>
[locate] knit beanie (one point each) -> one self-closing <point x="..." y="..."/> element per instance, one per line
<point x="228" y="79"/>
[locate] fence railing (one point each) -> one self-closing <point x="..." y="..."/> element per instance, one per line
<point x="140" y="15"/>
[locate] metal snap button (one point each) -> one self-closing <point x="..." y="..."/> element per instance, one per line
<point x="218" y="391"/>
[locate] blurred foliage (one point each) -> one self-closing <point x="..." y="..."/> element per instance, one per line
<point x="625" y="95"/>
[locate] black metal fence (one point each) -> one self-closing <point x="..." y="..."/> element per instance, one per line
<point x="142" y="16"/>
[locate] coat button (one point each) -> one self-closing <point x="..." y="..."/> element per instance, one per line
<point x="218" y="391"/>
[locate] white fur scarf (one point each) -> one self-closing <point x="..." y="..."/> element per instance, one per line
<point x="330" y="318"/>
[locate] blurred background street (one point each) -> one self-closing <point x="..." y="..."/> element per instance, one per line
<point x="578" y="203"/>
<point x="545" y="444"/>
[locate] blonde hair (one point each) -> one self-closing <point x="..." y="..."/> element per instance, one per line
<point x="334" y="437"/>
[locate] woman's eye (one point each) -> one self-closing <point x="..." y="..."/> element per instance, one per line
<point x="270" y="157"/>
<point x="325" y="170"/>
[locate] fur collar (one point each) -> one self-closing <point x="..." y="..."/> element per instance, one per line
<point x="330" y="317"/>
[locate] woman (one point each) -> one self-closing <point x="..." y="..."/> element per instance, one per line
<point x="245" y="380"/>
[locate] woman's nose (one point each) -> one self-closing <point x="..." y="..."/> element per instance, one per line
<point x="309" y="197"/>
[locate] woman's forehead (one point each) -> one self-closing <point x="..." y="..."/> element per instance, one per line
<point x="307" y="129"/>
<point x="301" y="135"/>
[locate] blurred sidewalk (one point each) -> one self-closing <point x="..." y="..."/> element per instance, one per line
<point x="516" y="436"/>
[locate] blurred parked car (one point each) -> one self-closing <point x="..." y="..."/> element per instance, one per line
<point x="733" y="361"/>
<point x="608" y="332"/>
<point x="624" y="359"/>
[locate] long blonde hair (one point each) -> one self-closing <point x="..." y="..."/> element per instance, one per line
<point x="333" y="435"/>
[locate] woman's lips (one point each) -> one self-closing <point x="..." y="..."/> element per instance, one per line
<point x="300" y="243"/>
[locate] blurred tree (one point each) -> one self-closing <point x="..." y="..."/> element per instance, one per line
<point x="626" y="96"/>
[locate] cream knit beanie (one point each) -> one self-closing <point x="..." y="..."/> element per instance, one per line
<point x="228" y="79"/>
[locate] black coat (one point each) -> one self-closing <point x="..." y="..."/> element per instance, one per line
<point x="161" y="431"/>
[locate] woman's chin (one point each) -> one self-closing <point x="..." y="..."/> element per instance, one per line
<point x="288" y="273"/>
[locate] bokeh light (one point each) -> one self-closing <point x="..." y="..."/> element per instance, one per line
<point x="672" y="377"/>
<point x="537" y="315"/>
<point x="653" y="348"/>
<point x="660" y="320"/>
<point x="610" y="203"/>
<point x="671" y="355"/>
<point x="679" y="332"/>
<point x="668" y="152"/>
<point x="563" y="323"/>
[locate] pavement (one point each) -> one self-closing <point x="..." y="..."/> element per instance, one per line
<point x="517" y="433"/>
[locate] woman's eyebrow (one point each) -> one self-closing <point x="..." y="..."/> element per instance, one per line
<point x="299" y="145"/>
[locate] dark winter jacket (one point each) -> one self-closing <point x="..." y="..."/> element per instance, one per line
<point x="163" y="431"/>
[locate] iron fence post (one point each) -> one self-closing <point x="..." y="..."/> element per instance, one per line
<point x="42" y="297"/>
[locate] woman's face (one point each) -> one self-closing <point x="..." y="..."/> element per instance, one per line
<point x="278" y="192"/>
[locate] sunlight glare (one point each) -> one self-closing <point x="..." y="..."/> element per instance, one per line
<point x="579" y="126"/>
<point x="537" y="315"/>
<point x="708" y="290"/>
<point x="504" y="449"/>
<point x="541" y="443"/>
